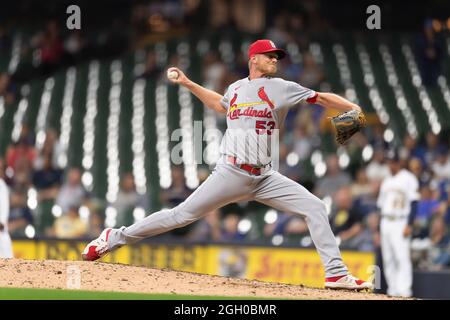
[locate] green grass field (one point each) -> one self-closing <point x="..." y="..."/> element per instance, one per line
<point x="59" y="294"/>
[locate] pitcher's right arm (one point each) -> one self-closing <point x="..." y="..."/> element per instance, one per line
<point x="209" y="98"/>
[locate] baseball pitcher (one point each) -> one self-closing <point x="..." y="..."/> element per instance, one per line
<point x="255" y="107"/>
<point x="398" y="202"/>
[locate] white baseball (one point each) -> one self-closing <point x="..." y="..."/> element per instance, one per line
<point x="172" y="74"/>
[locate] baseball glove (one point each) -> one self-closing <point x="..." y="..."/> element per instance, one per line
<point x="347" y="124"/>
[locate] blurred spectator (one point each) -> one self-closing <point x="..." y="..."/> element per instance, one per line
<point x="333" y="180"/>
<point x="302" y="142"/>
<point x="287" y="224"/>
<point x="444" y="210"/>
<point x="311" y="74"/>
<point x="326" y="126"/>
<point x="96" y="224"/>
<point x="70" y="225"/>
<point x="427" y="206"/>
<point x="377" y="137"/>
<point x="219" y="15"/>
<point x="194" y="14"/>
<point x="115" y="39"/>
<point x="74" y="46"/>
<point x="230" y="232"/>
<point x="20" y="156"/>
<point x="72" y="193"/>
<point x="433" y="148"/>
<point x="253" y="23"/>
<point x="441" y="166"/>
<point x="176" y="194"/>
<point x="369" y="239"/>
<point x="354" y="150"/>
<point x="345" y="220"/>
<point x="203" y="174"/>
<point x="170" y="11"/>
<point x="443" y="188"/>
<point x="5" y="40"/>
<point x="139" y="20"/>
<point x="127" y="200"/>
<point x="377" y="169"/>
<point x="361" y="186"/>
<point x="4" y="83"/>
<point x="7" y="88"/>
<point x="364" y="193"/>
<point x="178" y="191"/>
<point x="284" y="150"/>
<point x="288" y="69"/>
<point x="50" y="47"/>
<point x="213" y="71"/>
<point x="51" y="148"/>
<point x="417" y="168"/>
<point x="279" y="33"/>
<point x="152" y="70"/>
<point x="207" y="229"/>
<point x="240" y="67"/>
<point x="411" y="149"/>
<point x="47" y="180"/>
<point x="430" y="51"/>
<point x="297" y="30"/>
<point x="440" y="240"/>
<point x="27" y="134"/>
<point x="20" y="215"/>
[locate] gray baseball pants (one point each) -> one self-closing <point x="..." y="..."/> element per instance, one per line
<point x="228" y="184"/>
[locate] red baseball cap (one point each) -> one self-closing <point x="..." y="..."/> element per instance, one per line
<point x="264" y="46"/>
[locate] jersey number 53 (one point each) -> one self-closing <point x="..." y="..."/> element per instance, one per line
<point x="263" y="127"/>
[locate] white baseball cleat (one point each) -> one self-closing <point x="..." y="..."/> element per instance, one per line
<point x="348" y="282"/>
<point x="97" y="248"/>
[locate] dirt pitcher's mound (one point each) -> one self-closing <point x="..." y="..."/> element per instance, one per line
<point x="117" y="277"/>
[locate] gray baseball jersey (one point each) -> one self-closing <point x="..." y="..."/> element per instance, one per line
<point x="254" y="109"/>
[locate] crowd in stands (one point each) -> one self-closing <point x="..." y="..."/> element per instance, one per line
<point x="350" y="196"/>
